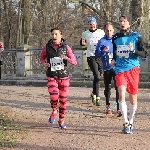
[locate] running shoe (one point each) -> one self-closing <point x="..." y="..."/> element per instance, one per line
<point x="62" y="125"/>
<point x="126" y="128"/>
<point x="119" y="113"/>
<point x="108" y="109"/>
<point x="52" y="117"/>
<point x="131" y="128"/>
<point x="93" y="98"/>
<point x="97" y="101"/>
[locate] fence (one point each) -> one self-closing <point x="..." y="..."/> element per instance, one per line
<point x="24" y="61"/>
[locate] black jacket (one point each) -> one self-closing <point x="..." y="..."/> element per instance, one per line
<point x="51" y="53"/>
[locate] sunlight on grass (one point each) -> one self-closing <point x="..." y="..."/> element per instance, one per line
<point x="9" y="130"/>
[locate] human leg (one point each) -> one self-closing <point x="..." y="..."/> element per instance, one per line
<point x="123" y="108"/>
<point x="121" y="83"/>
<point x="132" y="107"/>
<point x="94" y="68"/>
<point x="133" y="80"/>
<point x="117" y="96"/>
<point x="63" y="94"/>
<point x="107" y="91"/>
<point x="53" y="92"/>
<point x="122" y="103"/>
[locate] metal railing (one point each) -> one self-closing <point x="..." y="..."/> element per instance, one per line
<point x="9" y="61"/>
<point x="35" y="66"/>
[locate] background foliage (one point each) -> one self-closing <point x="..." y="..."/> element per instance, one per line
<point x="30" y="21"/>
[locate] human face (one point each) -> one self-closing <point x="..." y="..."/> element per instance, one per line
<point x="109" y="30"/>
<point x="124" y="23"/>
<point x="56" y="36"/>
<point x="92" y="25"/>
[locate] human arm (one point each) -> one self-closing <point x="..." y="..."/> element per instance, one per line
<point x="113" y="62"/>
<point x="43" y="57"/>
<point x="99" y="49"/>
<point x="83" y="40"/>
<point x="1" y="47"/>
<point x="141" y="49"/>
<point x="70" y="57"/>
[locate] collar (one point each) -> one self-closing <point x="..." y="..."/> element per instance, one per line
<point x="92" y="30"/>
<point x="126" y="32"/>
<point x="107" y="38"/>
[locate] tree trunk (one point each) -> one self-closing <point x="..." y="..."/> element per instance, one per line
<point x="26" y="21"/>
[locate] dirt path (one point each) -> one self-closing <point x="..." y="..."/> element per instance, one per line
<point x="88" y="127"/>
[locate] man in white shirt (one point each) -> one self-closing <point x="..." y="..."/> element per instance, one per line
<point x="90" y="38"/>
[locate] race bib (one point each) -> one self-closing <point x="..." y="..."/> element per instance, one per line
<point x="123" y="51"/>
<point x="56" y="63"/>
<point x="110" y="57"/>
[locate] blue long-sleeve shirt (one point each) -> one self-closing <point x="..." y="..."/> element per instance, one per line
<point x="106" y="57"/>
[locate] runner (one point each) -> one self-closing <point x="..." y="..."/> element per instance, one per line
<point x="90" y="38"/>
<point x="1" y="47"/>
<point x="57" y="54"/>
<point x="104" y="50"/>
<point x="128" y="45"/>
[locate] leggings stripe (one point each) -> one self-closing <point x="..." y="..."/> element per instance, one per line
<point x="58" y="90"/>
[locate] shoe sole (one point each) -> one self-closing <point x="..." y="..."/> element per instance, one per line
<point x="119" y="115"/>
<point x="51" y="121"/>
<point x="62" y="127"/>
<point x="127" y="132"/>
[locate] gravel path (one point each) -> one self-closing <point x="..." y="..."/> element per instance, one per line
<point x="88" y="127"/>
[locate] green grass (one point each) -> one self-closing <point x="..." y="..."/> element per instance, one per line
<point x="9" y="130"/>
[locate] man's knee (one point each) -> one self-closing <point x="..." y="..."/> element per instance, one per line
<point x="122" y="91"/>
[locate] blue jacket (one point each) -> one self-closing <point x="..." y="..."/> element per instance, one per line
<point x="106" y="57"/>
<point x="126" y="59"/>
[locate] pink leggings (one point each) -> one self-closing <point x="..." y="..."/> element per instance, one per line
<point x="58" y="89"/>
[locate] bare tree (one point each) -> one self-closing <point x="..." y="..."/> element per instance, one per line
<point x="30" y="21"/>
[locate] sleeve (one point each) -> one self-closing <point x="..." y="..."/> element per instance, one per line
<point x="83" y="37"/>
<point x="43" y="55"/>
<point x="1" y="47"/>
<point x="71" y="55"/>
<point x="141" y="49"/>
<point x="114" y="50"/>
<point x="99" y="49"/>
<point x="81" y="42"/>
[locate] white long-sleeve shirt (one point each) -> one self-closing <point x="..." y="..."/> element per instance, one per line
<point x="92" y="40"/>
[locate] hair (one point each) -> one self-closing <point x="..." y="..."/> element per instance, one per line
<point x="106" y="24"/>
<point x="56" y="28"/>
<point x="123" y="16"/>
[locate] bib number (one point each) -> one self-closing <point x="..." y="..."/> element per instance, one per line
<point x="110" y="57"/>
<point x="123" y="51"/>
<point x="56" y="63"/>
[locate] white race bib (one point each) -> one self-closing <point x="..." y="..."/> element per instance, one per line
<point x="110" y="57"/>
<point x="56" y="63"/>
<point x="123" y="51"/>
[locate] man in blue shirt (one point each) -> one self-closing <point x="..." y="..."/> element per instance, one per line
<point x="104" y="50"/>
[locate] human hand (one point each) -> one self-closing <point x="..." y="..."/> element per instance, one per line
<point x="130" y="46"/>
<point x="106" y="49"/>
<point x="1" y="47"/>
<point x="83" y="42"/>
<point x="64" y="57"/>
<point x="112" y="63"/>
<point x="46" y="65"/>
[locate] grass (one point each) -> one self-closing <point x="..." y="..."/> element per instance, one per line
<point x="9" y="130"/>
